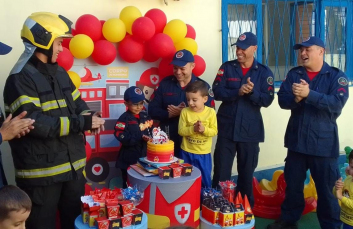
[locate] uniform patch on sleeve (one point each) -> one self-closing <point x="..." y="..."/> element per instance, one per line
<point x="220" y="72"/>
<point x="270" y="80"/>
<point x="210" y="92"/>
<point x="342" y="89"/>
<point x="120" y="125"/>
<point x="342" y="81"/>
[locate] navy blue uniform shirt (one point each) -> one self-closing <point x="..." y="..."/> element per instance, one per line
<point x="312" y="127"/>
<point x="169" y="92"/>
<point x="239" y="117"/>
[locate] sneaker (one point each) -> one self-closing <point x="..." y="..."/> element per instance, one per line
<point x="281" y="224"/>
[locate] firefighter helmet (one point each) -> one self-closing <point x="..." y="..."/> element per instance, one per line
<point x="42" y="28"/>
<point x="149" y="78"/>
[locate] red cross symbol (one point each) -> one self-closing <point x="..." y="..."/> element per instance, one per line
<point x="182" y="212"/>
<point x="154" y="79"/>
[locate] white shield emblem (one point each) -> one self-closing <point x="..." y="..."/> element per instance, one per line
<point x="182" y="212"/>
<point x="154" y="79"/>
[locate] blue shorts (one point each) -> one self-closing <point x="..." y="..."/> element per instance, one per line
<point x="201" y="161"/>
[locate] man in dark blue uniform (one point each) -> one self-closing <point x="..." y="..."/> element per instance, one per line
<point x="169" y="99"/>
<point x="315" y="93"/>
<point x="244" y="86"/>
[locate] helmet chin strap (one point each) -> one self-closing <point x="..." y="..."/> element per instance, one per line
<point x="47" y="52"/>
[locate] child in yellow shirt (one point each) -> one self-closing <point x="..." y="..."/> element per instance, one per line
<point x="344" y="192"/>
<point x="197" y="126"/>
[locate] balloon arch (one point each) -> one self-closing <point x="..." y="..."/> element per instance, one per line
<point x="149" y="38"/>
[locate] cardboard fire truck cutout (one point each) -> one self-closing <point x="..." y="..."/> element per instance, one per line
<point x="103" y="87"/>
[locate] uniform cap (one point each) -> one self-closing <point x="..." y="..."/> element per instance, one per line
<point x="134" y="94"/>
<point x="182" y="57"/>
<point x="246" y="40"/>
<point x="310" y="42"/>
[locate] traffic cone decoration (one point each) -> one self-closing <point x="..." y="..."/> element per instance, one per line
<point x="238" y="199"/>
<point x="247" y="207"/>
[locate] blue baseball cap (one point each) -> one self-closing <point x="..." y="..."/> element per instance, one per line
<point x="4" y="49"/>
<point x="246" y="40"/>
<point x="182" y="57"/>
<point x="310" y="42"/>
<point x="134" y="94"/>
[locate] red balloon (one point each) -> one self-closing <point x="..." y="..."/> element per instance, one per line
<point x="73" y="32"/>
<point x="200" y="65"/>
<point x="161" y="45"/>
<point x="143" y="28"/>
<point x="148" y="55"/>
<point x="66" y="43"/>
<point x="165" y="68"/>
<point x="159" y="19"/>
<point x="102" y="36"/>
<point x="130" y="50"/>
<point x="104" y="52"/>
<point x="191" y="33"/>
<point x="88" y="151"/>
<point x="65" y="59"/>
<point x="89" y="25"/>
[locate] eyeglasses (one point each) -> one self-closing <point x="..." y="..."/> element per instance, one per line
<point x="140" y="104"/>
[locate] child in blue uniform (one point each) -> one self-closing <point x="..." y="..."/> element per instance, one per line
<point x="132" y="131"/>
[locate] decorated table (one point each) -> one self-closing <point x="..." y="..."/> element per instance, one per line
<point x="169" y="202"/>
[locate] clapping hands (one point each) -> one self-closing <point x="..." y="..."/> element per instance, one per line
<point x="198" y="127"/>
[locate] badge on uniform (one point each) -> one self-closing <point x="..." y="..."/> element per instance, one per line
<point x="342" y="81"/>
<point x="210" y="92"/>
<point x="138" y="91"/>
<point x="120" y="125"/>
<point x="179" y="54"/>
<point x="270" y="80"/>
<point x="220" y="72"/>
<point x="341" y="91"/>
<point x="242" y="37"/>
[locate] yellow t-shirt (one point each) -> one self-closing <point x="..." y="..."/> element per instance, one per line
<point x="193" y="142"/>
<point x="347" y="201"/>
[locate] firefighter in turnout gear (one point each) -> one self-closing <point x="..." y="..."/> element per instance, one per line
<point x="49" y="160"/>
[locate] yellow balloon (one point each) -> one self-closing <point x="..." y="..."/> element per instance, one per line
<point x="188" y="44"/>
<point x="176" y="29"/>
<point x="114" y="30"/>
<point x="128" y="15"/>
<point x="81" y="46"/>
<point x="76" y="79"/>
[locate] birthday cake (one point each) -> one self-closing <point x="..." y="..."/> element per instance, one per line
<point x="160" y="149"/>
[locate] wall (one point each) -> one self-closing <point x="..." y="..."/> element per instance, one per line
<point x="207" y="23"/>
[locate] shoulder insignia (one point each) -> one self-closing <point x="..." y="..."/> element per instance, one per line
<point x="220" y="72"/>
<point x="270" y="80"/>
<point x="342" y="81"/>
<point x="120" y="125"/>
<point x="210" y="92"/>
